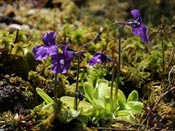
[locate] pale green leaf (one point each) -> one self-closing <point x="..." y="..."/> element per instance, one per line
<point x="45" y="97"/>
<point x="133" y="96"/>
<point x="88" y="90"/>
<point x="84" y="107"/>
<point x="121" y="100"/>
<point x="125" y="115"/>
<point x="135" y="106"/>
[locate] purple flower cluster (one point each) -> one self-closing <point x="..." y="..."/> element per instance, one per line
<point x="137" y="26"/>
<point x="60" y="61"/>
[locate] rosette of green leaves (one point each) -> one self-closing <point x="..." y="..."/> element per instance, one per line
<point x="108" y="108"/>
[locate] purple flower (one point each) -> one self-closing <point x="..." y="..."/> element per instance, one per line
<point x="49" y="47"/>
<point x="141" y="31"/>
<point x="99" y="58"/>
<point x="61" y="61"/>
<point x="137" y="27"/>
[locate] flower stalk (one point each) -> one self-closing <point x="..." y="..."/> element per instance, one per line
<point x="113" y="77"/>
<point x="55" y="87"/>
<point x="120" y="31"/>
<point x="138" y="29"/>
<point x="17" y="35"/>
<point x="77" y="81"/>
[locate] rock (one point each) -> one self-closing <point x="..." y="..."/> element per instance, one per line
<point x="10" y="96"/>
<point x="14" y="27"/>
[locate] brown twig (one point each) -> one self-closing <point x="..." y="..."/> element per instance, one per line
<point x="168" y="88"/>
<point x="162" y="96"/>
<point x="94" y="39"/>
<point x="113" y="129"/>
<point x="152" y="113"/>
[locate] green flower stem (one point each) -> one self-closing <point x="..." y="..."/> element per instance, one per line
<point x="112" y="83"/>
<point x="119" y="59"/>
<point x="77" y="81"/>
<point x="113" y="77"/>
<point x="55" y="87"/>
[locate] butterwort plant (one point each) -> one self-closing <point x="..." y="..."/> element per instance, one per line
<point x="102" y="58"/>
<point x="138" y="29"/>
<point x="60" y="60"/>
